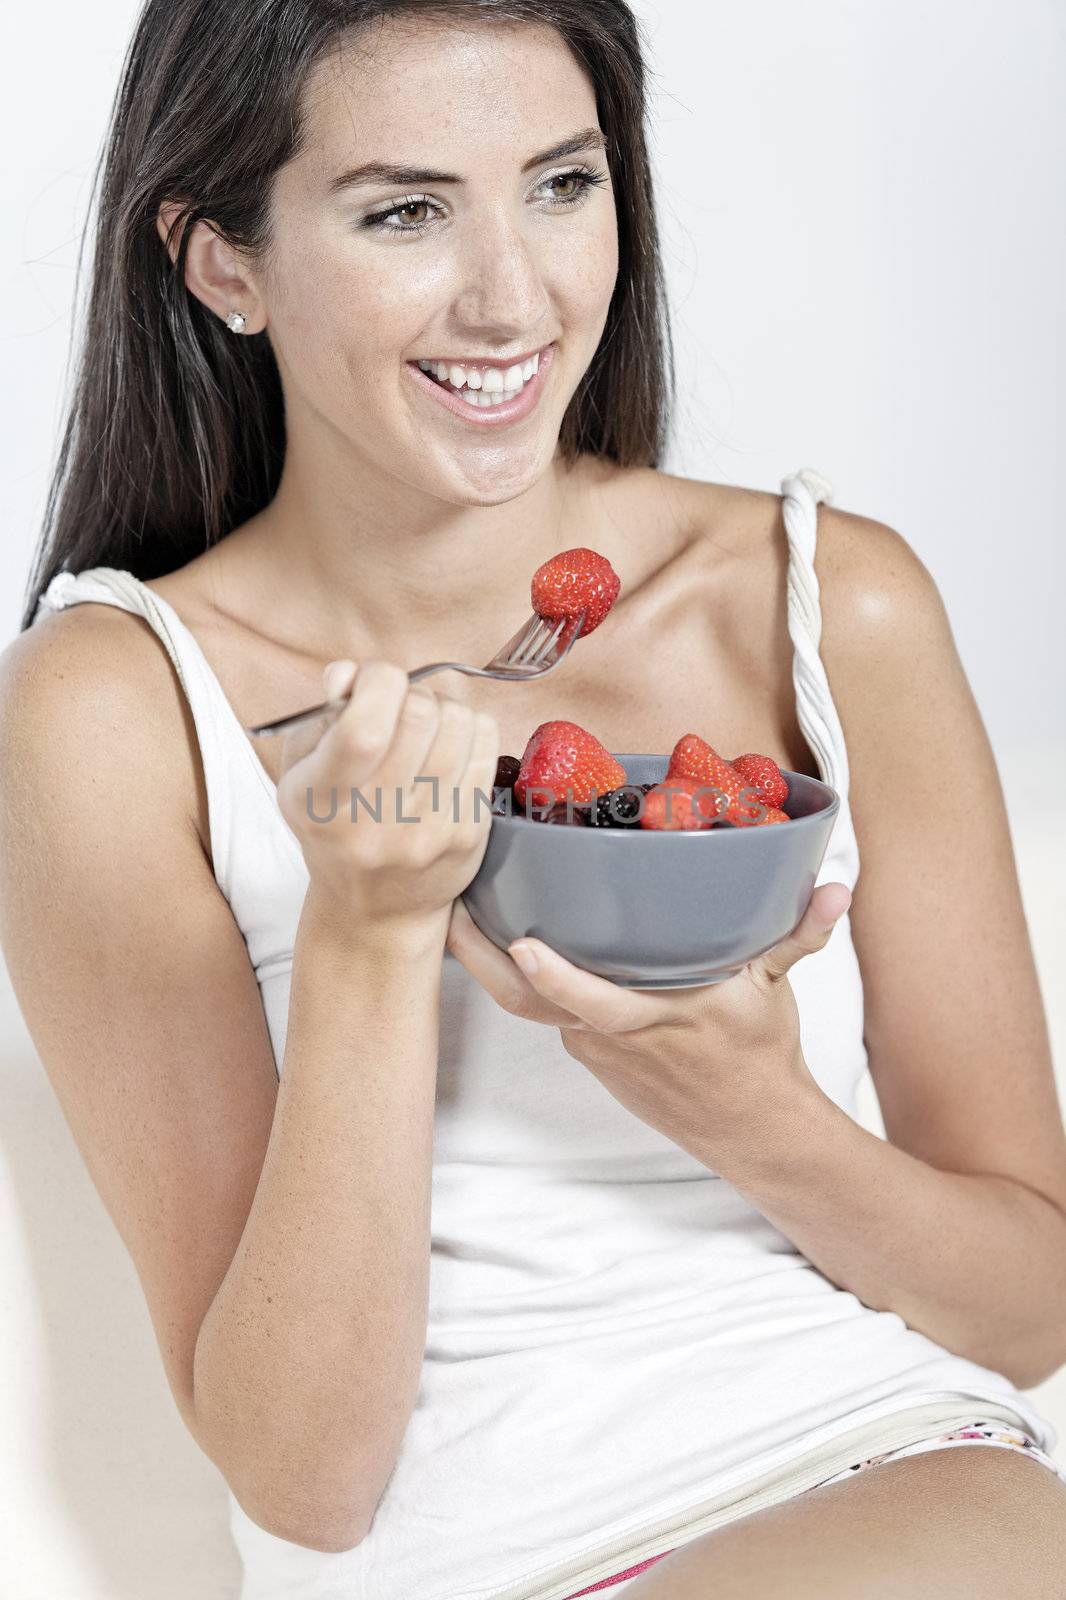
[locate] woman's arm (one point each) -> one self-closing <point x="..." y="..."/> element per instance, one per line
<point x="281" y="1235"/>
<point x="975" y="1260"/>
<point x="309" y="1357"/>
<point x="308" y="1361"/>
<point x="959" y="1223"/>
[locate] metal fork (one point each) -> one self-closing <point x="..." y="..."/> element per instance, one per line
<point x="536" y="649"/>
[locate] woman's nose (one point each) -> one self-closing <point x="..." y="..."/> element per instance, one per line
<point x="502" y="282"/>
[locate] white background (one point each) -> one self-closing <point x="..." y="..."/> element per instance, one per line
<point x="865" y="235"/>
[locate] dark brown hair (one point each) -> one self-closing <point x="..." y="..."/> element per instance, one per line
<point x="176" y="431"/>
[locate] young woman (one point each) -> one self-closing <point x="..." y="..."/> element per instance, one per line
<point x="477" y="1279"/>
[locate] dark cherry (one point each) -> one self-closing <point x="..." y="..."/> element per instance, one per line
<point x="575" y="817"/>
<point x="506" y="772"/>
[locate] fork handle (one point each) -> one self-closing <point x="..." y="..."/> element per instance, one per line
<point x="283" y="724"/>
<point x="297" y="718"/>
<point x="438" y="666"/>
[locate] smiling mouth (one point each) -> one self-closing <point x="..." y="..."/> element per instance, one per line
<point x="482" y="387"/>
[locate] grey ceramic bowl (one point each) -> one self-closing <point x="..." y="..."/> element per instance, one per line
<point x="654" y="909"/>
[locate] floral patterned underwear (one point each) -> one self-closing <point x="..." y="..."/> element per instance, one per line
<point x="980" y="1431"/>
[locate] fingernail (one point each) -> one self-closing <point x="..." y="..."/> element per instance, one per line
<point x="523" y="958"/>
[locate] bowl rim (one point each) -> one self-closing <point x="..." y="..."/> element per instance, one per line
<point x="834" y="802"/>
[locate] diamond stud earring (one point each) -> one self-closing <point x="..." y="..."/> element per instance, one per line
<point x="235" y="321"/>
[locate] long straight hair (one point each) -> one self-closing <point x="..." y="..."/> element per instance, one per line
<point x="175" y="433"/>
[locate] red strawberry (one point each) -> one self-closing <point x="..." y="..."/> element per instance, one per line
<point x="562" y="756"/>
<point x="672" y="807"/>
<point x="773" y="815"/>
<point x="575" y="580"/>
<point x="765" y="774"/>
<point x="693" y="757"/>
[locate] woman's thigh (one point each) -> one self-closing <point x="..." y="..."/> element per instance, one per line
<point x="961" y="1524"/>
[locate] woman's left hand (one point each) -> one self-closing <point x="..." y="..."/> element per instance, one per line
<point x="698" y="1064"/>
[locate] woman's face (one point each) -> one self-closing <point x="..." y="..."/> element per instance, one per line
<point x="501" y="254"/>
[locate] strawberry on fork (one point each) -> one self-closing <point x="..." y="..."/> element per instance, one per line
<point x="575" y="580"/>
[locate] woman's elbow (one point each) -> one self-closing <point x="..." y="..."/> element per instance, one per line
<point x="313" y="1530"/>
<point x="1038" y="1359"/>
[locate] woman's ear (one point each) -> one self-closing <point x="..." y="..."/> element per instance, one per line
<point x="214" y="271"/>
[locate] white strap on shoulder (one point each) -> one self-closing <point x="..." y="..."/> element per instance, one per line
<point x="803" y="492"/>
<point x="68" y="587"/>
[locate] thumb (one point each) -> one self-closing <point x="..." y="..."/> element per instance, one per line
<point x="826" y="906"/>
<point x="459" y="916"/>
<point x="338" y="678"/>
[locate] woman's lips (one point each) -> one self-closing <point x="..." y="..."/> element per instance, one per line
<point x="509" y="411"/>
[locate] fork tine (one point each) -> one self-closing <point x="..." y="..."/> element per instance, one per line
<point x="570" y="633"/>
<point x="538" y="646"/>
<point x="535" y="647"/>
<point x="534" y="650"/>
<point x="515" y="648"/>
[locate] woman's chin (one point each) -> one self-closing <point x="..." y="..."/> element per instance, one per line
<point x="491" y="475"/>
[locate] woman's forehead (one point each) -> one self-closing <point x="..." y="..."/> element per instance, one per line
<point x="415" y="89"/>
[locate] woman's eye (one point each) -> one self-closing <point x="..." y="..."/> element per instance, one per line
<point x="383" y="219"/>
<point x="568" y="177"/>
<point x="412" y="205"/>
<point x="581" y="179"/>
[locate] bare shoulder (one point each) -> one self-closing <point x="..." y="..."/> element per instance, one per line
<point x="93" y="685"/>
<point x="880" y="578"/>
<point x="721" y="516"/>
<point x="871" y="580"/>
<point x="751" y="522"/>
<point x="883" y="617"/>
<point x="102" y="644"/>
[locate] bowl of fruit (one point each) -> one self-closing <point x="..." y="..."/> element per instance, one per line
<point x="655" y="871"/>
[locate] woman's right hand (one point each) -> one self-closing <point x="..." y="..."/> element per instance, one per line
<point x="366" y="871"/>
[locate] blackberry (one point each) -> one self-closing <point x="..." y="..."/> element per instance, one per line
<point x="621" y="807"/>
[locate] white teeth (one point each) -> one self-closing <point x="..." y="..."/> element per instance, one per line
<point x="495" y="383"/>
<point x="485" y="402"/>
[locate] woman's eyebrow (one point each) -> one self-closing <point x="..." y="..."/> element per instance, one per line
<point x="388" y="172"/>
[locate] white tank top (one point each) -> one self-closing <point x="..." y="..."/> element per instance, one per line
<point x="618" y="1342"/>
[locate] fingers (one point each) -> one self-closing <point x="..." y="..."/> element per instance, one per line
<point x="497" y="973"/>
<point x="480" y="773"/>
<point x="356" y="742"/>
<point x="417" y="728"/>
<point x="403" y="747"/>
<point x="826" y="906"/>
<point x="595" y="1001"/>
<point x="435" y="779"/>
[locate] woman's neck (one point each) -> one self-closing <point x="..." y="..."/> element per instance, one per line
<point x="400" y="575"/>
